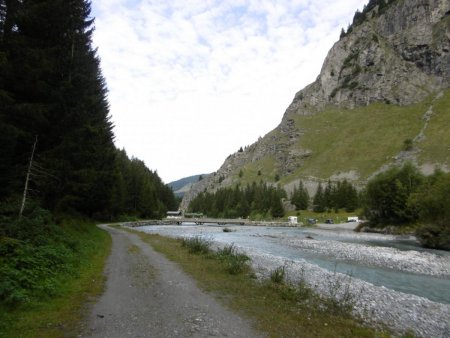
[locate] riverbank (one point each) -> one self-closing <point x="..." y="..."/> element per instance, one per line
<point x="376" y="304"/>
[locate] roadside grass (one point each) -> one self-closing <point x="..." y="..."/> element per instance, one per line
<point x="276" y="308"/>
<point x="59" y="315"/>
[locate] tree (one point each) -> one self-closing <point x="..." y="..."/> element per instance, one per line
<point x="276" y="207"/>
<point x="319" y="199"/>
<point x="432" y="203"/>
<point x="300" y="197"/>
<point x="387" y="196"/>
<point x="51" y="86"/>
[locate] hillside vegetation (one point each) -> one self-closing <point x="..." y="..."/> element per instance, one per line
<point x="366" y="138"/>
<point x="59" y="167"/>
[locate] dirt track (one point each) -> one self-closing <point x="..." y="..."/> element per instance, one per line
<point x="149" y="296"/>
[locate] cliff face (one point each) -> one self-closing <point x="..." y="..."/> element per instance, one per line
<point x="399" y="54"/>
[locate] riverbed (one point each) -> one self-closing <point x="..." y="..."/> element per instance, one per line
<point x="392" y="279"/>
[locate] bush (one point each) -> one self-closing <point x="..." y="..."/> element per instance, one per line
<point x="234" y="261"/>
<point x="387" y="195"/>
<point x="278" y="275"/>
<point x="197" y="245"/>
<point x="432" y="203"/>
<point x="35" y="254"/>
<point x="434" y="236"/>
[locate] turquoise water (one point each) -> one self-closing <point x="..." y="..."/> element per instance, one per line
<point x="267" y="240"/>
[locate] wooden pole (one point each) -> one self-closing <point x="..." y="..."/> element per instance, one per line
<point x="25" y="190"/>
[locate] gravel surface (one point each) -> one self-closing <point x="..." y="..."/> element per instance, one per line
<point x="378" y="305"/>
<point x="149" y="296"/>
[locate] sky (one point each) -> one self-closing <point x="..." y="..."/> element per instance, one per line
<point x="192" y="81"/>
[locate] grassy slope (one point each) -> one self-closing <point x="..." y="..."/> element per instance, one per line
<point x="436" y="146"/>
<point x="267" y="166"/>
<point x="362" y="139"/>
<point x="59" y="315"/>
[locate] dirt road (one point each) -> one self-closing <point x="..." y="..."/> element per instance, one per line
<point x="149" y="296"/>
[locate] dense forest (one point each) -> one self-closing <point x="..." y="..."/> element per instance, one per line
<point x="53" y="105"/>
<point x="59" y="167"/>
<point x="257" y="200"/>
<point x="260" y="200"/>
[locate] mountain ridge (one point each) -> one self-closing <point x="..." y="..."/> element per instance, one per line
<point x="397" y="56"/>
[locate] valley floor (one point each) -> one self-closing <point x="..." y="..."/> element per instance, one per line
<point x="149" y="296"/>
<point x="416" y="298"/>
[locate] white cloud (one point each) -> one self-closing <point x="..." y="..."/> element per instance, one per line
<point x="192" y="81"/>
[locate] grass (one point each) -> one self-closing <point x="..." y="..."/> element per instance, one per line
<point x="265" y="166"/>
<point x="59" y="315"/>
<point x="435" y="148"/>
<point x="361" y="139"/>
<point x="276" y="309"/>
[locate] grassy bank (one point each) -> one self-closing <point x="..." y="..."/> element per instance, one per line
<point x="48" y="273"/>
<point x="277" y="308"/>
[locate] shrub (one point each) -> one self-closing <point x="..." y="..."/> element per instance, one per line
<point x="407" y="145"/>
<point x="340" y="300"/>
<point x="234" y="261"/>
<point x="197" y="245"/>
<point x="278" y="275"/>
<point x="36" y="255"/>
<point x="432" y="203"/>
<point x="434" y="236"/>
<point x="387" y="196"/>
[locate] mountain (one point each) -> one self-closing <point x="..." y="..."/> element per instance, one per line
<point x="181" y="186"/>
<point x="382" y="98"/>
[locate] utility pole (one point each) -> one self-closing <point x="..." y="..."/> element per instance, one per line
<point x="27" y="179"/>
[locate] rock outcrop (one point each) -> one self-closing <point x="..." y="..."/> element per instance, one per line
<point x="397" y="52"/>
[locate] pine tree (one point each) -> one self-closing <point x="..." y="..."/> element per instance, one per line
<point x="319" y="200"/>
<point x="300" y="197"/>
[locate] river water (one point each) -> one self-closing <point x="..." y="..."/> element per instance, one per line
<point x="396" y="263"/>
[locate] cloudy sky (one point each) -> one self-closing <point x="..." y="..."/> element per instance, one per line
<point x="191" y="81"/>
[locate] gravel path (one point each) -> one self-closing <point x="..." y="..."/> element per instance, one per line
<point x="149" y="296"/>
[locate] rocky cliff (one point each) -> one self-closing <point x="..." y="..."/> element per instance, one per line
<point x="396" y="53"/>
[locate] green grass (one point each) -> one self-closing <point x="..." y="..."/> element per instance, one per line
<point x="59" y="313"/>
<point x="435" y="148"/>
<point x="266" y="166"/>
<point x="361" y="139"/>
<point x="276" y="309"/>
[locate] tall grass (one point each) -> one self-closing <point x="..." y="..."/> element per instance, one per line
<point x="197" y="244"/>
<point x="233" y="261"/>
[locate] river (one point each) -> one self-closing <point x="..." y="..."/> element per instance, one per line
<point x="394" y="266"/>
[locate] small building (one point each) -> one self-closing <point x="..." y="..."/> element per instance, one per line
<point x="293" y="219"/>
<point x="174" y="214"/>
